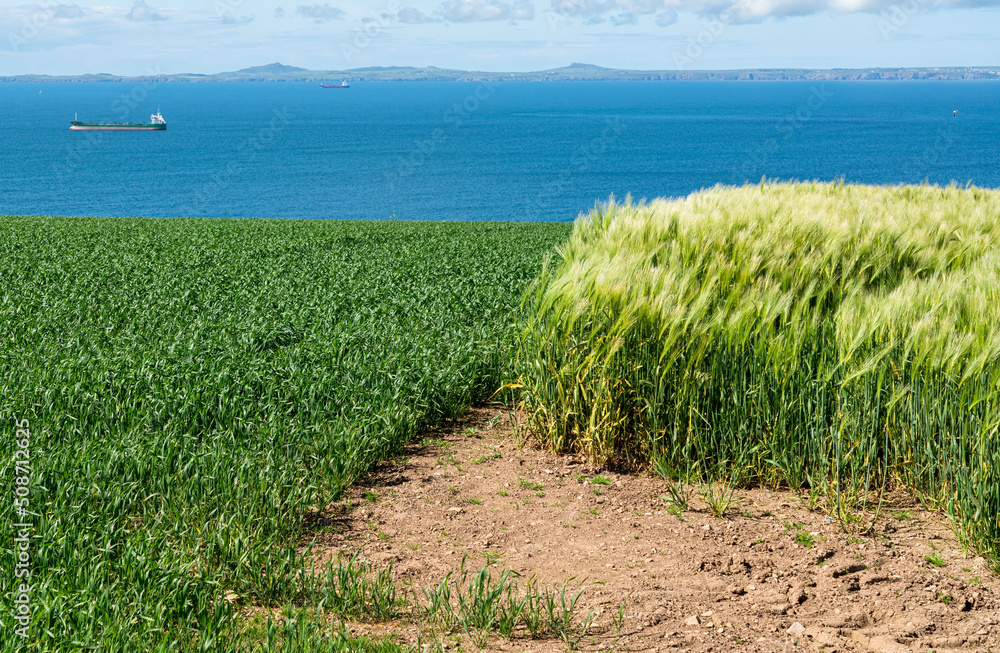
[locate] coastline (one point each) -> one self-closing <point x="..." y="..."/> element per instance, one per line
<point x="575" y="72"/>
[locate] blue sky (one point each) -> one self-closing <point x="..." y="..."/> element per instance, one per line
<point x="133" y="37"/>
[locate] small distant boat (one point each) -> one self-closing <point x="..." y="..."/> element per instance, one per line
<point x="156" y="124"/>
<point x="343" y="84"/>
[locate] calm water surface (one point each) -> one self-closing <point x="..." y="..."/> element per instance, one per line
<point x="471" y="151"/>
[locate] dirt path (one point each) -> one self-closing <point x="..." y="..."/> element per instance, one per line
<point x="771" y="576"/>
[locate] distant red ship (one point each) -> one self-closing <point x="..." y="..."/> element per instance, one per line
<point x="343" y="84"/>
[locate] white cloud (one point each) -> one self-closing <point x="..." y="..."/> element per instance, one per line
<point x="320" y="13"/>
<point x="469" y="11"/>
<point x="142" y="12"/>
<point x="640" y="6"/>
<point x="279" y="13"/>
<point x="666" y="18"/>
<point x="582" y="7"/>
<point x="411" y="16"/>
<point x="68" y="11"/>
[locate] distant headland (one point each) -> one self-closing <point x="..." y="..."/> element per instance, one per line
<point x="277" y="72"/>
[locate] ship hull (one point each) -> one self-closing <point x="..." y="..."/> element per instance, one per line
<point x="96" y="127"/>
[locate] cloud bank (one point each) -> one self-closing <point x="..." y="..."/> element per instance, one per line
<point x="621" y="12"/>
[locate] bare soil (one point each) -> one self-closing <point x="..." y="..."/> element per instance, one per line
<point x="771" y="575"/>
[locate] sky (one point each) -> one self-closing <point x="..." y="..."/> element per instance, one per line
<point x="139" y="37"/>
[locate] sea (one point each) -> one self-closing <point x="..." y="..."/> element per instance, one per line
<point x="513" y="151"/>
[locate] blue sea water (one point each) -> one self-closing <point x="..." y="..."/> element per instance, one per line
<point x="473" y="151"/>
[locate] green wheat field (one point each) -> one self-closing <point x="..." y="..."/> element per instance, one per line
<point x="195" y="388"/>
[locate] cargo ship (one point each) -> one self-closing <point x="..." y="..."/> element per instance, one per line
<point x="343" y="84"/>
<point x="156" y="123"/>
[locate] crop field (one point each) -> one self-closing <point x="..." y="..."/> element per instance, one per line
<point x="194" y="388"/>
<point x="839" y="339"/>
<point x="181" y="396"/>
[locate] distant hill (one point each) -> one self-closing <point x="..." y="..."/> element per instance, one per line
<point x="583" y="66"/>
<point x="278" y="72"/>
<point x="271" y="68"/>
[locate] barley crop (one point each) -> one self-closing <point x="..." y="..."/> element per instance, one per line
<point x="839" y="337"/>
